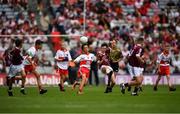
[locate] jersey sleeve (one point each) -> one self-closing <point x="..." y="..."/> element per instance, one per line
<point x="138" y="54"/>
<point x="57" y="55"/>
<point x="69" y="56"/>
<point x="77" y="60"/>
<point x="159" y="58"/>
<point x="31" y="53"/>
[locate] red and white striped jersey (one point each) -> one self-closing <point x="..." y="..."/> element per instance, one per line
<point x="31" y="53"/>
<point x="62" y="54"/>
<point x="85" y="60"/>
<point x="164" y="59"/>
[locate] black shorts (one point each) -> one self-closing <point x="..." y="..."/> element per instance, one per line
<point x="115" y="66"/>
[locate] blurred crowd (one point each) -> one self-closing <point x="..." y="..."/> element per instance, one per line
<point x="16" y="4"/>
<point x="122" y="19"/>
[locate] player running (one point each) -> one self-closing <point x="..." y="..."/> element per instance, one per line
<point x="30" y="63"/>
<point x="115" y="55"/>
<point x="85" y="60"/>
<point x="164" y="68"/>
<point x="136" y="64"/>
<point x="132" y="42"/>
<point x="104" y="65"/>
<point x="16" y="67"/>
<point x="63" y="58"/>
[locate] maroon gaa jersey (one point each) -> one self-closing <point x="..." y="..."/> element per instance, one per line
<point x="103" y="57"/>
<point x="137" y="50"/>
<point x="16" y="57"/>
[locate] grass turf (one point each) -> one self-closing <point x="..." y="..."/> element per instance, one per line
<point x="93" y="100"/>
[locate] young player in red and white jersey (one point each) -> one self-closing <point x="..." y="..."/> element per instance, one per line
<point x="163" y="62"/>
<point x="16" y="67"/>
<point x="85" y="60"/>
<point x="136" y="67"/>
<point x="30" y="63"/>
<point x="104" y="65"/>
<point x="63" y="58"/>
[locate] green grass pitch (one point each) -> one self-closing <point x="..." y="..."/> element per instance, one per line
<point x="93" y="100"/>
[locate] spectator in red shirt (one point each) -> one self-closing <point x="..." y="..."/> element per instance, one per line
<point x="56" y="40"/>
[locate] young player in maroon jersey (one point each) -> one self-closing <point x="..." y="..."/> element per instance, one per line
<point x="132" y="42"/>
<point x="104" y="65"/>
<point x="16" y="67"/>
<point x="136" y="65"/>
<point x="164" y="68"/>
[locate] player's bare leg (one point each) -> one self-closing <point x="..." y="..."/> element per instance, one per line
<point x="113" y="78"/>
<point x="61" y="85"/>
<point x="135" y="92"/>
<point x="136" y="89"/>
<point x="157" y="82"/>
<point x="23" y="74"/>
<point x="86" y="81"/>
<point x="83" y="82"/>
<point x="75" y="84"/>
<point x="109" y="79"/>
<point x="140" y="88"/>
<point x="17" y="79"/>
<point x="10" y="81"/>
<point x="108" y="88"/>
<point x="129" y="87"/>
<point x="169" y="84"/>
<point x="37" y="75"/>
<point x="137" y="82"/>
<point x="22" y="78"/>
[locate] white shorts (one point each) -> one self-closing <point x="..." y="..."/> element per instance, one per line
<point x="15" y="69"/>
<point x="135" y="71"/>
<point x="108" y="68"/>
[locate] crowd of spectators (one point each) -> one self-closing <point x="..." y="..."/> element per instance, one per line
<point x="122" y="19"/>
<point x="20" y="24"/>
<point x="16" y="4"/>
